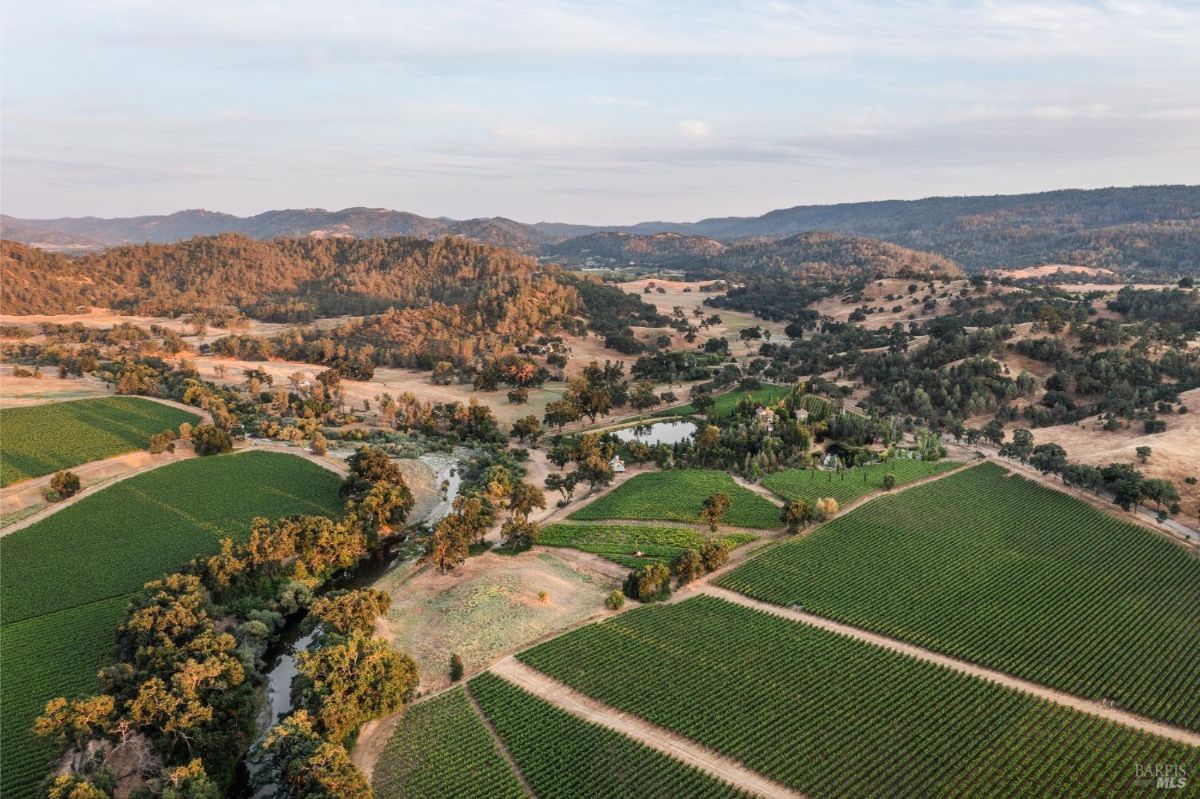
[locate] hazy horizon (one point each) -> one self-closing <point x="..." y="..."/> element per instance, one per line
<point x="547" y="110"/>
<point x="664" y="220"/>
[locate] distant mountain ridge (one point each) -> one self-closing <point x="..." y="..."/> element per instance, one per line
<point x="360" y="223"/>
<point x="1138" y="230"/>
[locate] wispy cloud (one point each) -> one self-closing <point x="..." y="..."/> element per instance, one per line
<point x="561" y="108"/>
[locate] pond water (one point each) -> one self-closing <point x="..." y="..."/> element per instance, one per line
<point x="658" y="433"/>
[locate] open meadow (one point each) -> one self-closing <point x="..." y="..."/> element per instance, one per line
<point x="835" y="717"/>
<point x="68" y="578"/>
<point x="1001" y="571"/>
<point x="676" y="495"/>
<point x="490" y="605"/>
<point x="42" y="439"/>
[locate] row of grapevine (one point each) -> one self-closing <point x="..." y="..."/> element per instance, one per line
<point x="56" y="654"/>
<point x="442" y="750"/>
<point x="1001" y="571"/>
<point x="621" y="542"/>
<point x="564" y="757"/>
<point x="849" y="484"/>
<point x="835" y="717"/>
<point x="678" y="495"/>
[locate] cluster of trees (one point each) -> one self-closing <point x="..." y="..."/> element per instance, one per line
<point x="345" y="678"/>
<point x="1126" y="484"/>
<point x="595" y="392"/>
<point x="611" y="313"/>
<point x="190" y="647"/>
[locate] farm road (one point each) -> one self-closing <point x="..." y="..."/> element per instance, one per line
<point x="640" y="730"/>
<point x="965" y="667"/>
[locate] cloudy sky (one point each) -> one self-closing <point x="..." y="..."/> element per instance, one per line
<point x="606" y="112"/>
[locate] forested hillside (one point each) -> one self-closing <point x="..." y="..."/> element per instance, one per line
<point x="1115" y="228"/>
<point x="282" y="280"/>
<point x="820" y="254"/>
<point x="660" y="249"/>
<point x="1143" y="231"/>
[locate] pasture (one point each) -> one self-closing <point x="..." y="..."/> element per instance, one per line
<point x="41" y="439"/>
<point x="676" y="495"/>
<point x="1004" y="572"/>
<point x="68" y="578"/>
<point x="564" y="757"/>
<point x="832" y="716"/>
<point x="620" y="543"/>
<point x="849" y="484"/>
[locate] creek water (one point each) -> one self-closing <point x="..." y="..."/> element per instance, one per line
<point x="281" y="657"/>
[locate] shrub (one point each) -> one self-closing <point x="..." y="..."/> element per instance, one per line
<point x="714" y="555"/>
<point x="889" y="481"/>
<point x="650" y="583"/>
<point x="687" y="566"/>
<point x="211" y="440"/>
<point x="614" y="601"/>
<point x="62" y="485"/>
<point x="456" y="668"/>
<point x="162" y="442"/>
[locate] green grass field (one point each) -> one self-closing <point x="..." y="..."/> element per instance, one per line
<point x="620" y="542"/>
<point x="42" y="439"/>
<point x="564" y="757"/>
<point x="68" y="578"/>
<point x="832" y="716"/>
<point x="724" y="404"/>
<point x="676" y="495"/>
<point x="812" y="484"/>
<point x="1009" y="574"/>
<point x="442" y="750"/>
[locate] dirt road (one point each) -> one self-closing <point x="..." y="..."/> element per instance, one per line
<point x="1008" y="681"/>
<point x="640" y="730"/>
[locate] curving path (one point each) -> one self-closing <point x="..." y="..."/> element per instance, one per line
<point x="141" y="465"/>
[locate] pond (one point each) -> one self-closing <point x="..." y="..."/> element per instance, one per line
<point x="658" y="433"/>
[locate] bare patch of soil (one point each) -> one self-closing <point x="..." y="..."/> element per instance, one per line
<point x="491" y="606"/>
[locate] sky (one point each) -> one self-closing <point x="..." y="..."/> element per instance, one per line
<point x="605" y="113"/>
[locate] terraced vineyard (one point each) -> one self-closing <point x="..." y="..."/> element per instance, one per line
<point x="620" y="543"/>
<point x="564" y="757"/>
<point x="835" y="717"/>
<point x="1015" y="576"/>
<point x="849" y="484"/>
<point x="42" y="439"/>
<point x="677" y="495"/>
<point x="67" y="578"/>
<point x="442" y="750"/>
